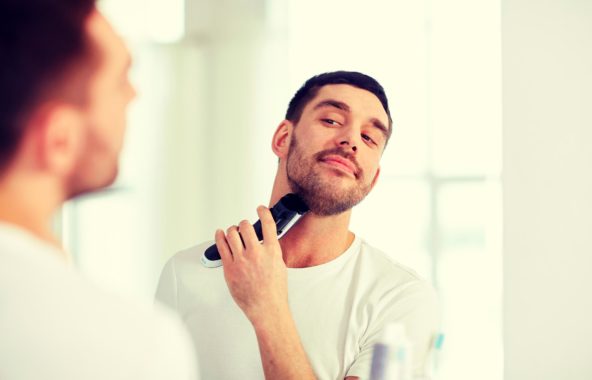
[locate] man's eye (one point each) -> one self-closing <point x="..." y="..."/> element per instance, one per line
<point x="330" y="121"/>
<point x="368" y="138"/>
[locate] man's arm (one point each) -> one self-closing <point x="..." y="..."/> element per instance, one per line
<point x="281" y="351"/>
<point x="256" y="276"/>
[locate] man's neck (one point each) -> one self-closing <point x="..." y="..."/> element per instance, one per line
<point x="30" y="206"/>
<point x="316" y="240"/>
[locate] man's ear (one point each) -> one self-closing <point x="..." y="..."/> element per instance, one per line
<point x="375" y="178"/>
<point x="58" y="130"/>
<point x="280" y="144"/>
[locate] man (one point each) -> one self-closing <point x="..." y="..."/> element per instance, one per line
<point x="64" y="90"/>
<point x="312" y="304"/>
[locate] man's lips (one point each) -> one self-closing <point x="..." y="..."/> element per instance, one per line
<point x="341" y="163"/>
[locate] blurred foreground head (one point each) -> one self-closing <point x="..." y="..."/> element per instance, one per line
<point x="64" y="90"/>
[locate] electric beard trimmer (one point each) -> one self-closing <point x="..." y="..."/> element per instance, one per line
<point x="289" y="209"/>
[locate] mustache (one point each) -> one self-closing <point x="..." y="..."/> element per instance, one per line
<point x="340" y="152"/>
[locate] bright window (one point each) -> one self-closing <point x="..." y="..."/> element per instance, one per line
<point x="437" y="205"/>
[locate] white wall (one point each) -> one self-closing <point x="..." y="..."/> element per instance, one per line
<point x="243" y="76"/>
<point x="547" y="100"/>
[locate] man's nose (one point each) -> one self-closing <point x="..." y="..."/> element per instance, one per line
<point x="346" y="140"/>
<point x="347" y="145"/>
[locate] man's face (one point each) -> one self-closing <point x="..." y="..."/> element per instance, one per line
<point x="110" y="92"/>
<point x="335" y="150"/>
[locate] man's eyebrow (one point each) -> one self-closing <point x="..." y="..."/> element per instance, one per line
<point x="343" y="106"/>
<point x="380" y="126"/>
<point x="332" y="103"/>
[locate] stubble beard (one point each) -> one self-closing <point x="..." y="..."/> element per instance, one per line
<point x="323" y="195"/>
<point x="95" y="170"/>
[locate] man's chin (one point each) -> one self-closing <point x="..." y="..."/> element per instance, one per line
<point x="87" y="186"/>
<point x="328" y="209"/>
<point x="331" y="203"/>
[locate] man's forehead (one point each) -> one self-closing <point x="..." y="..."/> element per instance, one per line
<point x="106" y="39"/>
<point x="357" y="99"/>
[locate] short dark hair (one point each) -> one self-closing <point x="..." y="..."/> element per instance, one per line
<point x="42" y="44"/>
<point x="311" y="87"/>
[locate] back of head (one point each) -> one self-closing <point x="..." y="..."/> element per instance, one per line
<point x="311" y="87"/>
<point x="43" y="45"/>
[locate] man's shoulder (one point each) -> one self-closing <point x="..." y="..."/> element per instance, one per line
<point x="188" y="262"/>
<point x="139" y="330"/>
<point x="384" y="272"/>
<point x="382" y="262"/>
<point x="52" y="311"/>
<point x="184" y="271"/>
<point x="190" y="255"/>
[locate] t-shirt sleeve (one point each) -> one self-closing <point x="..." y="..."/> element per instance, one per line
<point x="166" y="291"/>
<point x="416" y="307"/>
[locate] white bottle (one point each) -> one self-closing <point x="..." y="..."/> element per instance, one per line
<point x="391" y="357"/>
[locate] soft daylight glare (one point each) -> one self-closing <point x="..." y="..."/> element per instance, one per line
<point x="161" y="21"/>
<point x="214" y="79"/>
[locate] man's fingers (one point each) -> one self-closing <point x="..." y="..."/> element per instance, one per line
<point x="247" y="232"/>
<point x="223" y="248"/>
<point x="234" y="242"/>
<point x="267" y="225"/>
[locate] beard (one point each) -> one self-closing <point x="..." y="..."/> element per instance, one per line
<point x="324" y="196"/>
<point x="81" y="182"/>
<point x="96" y="167"/>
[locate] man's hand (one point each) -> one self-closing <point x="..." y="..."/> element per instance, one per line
<point x="255" y="271"/>
<point x="257" y="278"/>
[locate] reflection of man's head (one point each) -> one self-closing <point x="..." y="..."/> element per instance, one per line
<point x="341" y="127"/>
<point x="58" y="65"/>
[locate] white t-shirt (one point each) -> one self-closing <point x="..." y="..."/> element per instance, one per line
<point x="55" y="325"/>
<point x="340" y="309"/>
